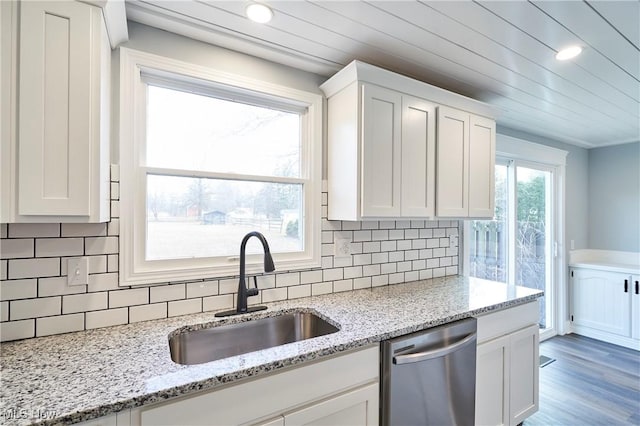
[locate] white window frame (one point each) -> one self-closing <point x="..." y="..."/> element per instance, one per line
<point x="134" y="268"/>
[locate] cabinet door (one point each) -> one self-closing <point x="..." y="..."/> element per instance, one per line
<point x="418" y="157"/>
<point x="381" y="151"/>
<point x="358" y="407"/>
<point x="54" y="148"/>
<point x="599" y="300"/>
<point x="452" y="180"/>
<point x="635" y="307"/>
<point x="482" y="158"/>
<point x="492" y="382"/>
<point x="523" y="378"/>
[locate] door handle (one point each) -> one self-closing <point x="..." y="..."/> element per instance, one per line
<point x="637" y="287"/>
<point x="626" y="286"/>
<point x="434" y="353"/>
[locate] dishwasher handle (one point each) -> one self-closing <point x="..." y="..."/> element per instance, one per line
<point x="434" y="353"/>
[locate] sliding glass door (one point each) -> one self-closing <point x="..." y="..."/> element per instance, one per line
<point x="517" y="246"/>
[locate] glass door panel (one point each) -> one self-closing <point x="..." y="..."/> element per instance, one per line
<point x="533" y="234"/>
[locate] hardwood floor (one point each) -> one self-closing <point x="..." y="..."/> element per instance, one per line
<point x="590" y="383"/>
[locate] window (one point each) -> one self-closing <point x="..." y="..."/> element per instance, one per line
<point x="207" y="157"/>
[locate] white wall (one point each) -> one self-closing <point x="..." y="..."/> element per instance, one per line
<point x="614" y="203"/>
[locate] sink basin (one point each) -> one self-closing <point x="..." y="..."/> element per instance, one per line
<point x="210" y="344"/>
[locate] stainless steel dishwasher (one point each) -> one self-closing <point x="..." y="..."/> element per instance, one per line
<point x="429" y="377"/>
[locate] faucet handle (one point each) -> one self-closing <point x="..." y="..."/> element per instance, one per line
<point x="253" y="291"/>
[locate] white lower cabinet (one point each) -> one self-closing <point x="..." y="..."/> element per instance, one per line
<point x="605" y="305"/>
<point x="341" y="390"/>
<point x="507" y="366"/>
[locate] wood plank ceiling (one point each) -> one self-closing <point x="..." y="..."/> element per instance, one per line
<point x="499" y="52"/>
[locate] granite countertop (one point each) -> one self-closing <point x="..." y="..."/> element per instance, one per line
<point x="80" y="376"/>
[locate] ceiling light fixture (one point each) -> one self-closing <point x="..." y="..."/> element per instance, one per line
<point x="568" y="53"/>
<point x="258" y="12"/>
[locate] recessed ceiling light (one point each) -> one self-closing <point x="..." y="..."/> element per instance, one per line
<point x="258" y="12"/>
<point x="568" y="53"/>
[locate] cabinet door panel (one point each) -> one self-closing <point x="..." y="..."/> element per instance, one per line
<point x="492" y="382"/>
<point x="524" y="370"/>
<point x="418" y="158"/>
<point x="381" y="152"/>
<point x="600" y="302"/>
<point x="453" y="163"/>
<point x="55" y="94"/>
<point x="635" y="307"/>
<point x="358" y="407"/>
<point x="482" y="154"/>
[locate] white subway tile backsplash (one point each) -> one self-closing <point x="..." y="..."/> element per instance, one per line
<point x="33" y="268"/>
<point x="59" y="324"/>
<point x="18" y="289"/>
<point x="115" y="191"/>
<point x="308" y="277"/>
<point x="101" y="282"/>
<point x="84" y="302"/>
<point x="147" y="312"/>
<point x="121" y="298"/>
<point x="25" y="230"/>
<point x="342" y="285"/>
<point x="101" y="245"/>
<point x="184" y="307"/>
<point x="16" y="248"/>
<point x="284" y="280"/>
<point x="299" y="291"/>
<point x="108" y="318"/>
<point x="115" y="208"/>
<point x="360" y="283"/>
<point x="16" y="330"/>
<point x="202" y="288"/>
<point x="35" y="308"/>
<point x="321" y="288"/>
<point x="218" y="303"/>
<point x="4" y="311"/>
<point x="84" y="229"/>
<point x="167" y="292"/>
<point x="274" y="294"/>
<point x="57" y="286"/>
<point x="332" y="274"/>
<point x="382" y="253"/>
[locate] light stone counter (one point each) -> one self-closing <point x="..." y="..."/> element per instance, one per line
<point x="84" y="375"/>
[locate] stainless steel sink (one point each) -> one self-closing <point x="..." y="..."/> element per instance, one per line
<point x="210" y="344"/>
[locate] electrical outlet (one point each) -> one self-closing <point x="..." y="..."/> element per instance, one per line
<point x="78" y="271"/>
<point x="342" y="247"/>
<point x="453" y="241"/>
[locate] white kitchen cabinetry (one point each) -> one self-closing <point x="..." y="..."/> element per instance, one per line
<point x="382" y="154"/>
<point x="605" y="306"/>
<point x="466" y="146"/>
<point x="318" y="393"/>
<point x="507" y="366"/>
<point x="382" y="147"/>
<point x="57" y="145"/>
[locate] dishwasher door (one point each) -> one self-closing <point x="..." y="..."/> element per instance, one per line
<point x="429" y="377"/>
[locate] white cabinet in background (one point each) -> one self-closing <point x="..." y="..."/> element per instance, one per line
<point x="466" y="164"/>
<point x="57" y="149"/>
<point x="317" y="393"/>
<point x="381" y="154"/>
<point x="507" y="366"/>
<point x="605" y="306"/>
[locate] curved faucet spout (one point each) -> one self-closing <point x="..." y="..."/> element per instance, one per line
<point x="243" y="291"/>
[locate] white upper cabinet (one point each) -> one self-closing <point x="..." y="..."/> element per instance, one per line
<point x="466" y="164"/>
<point x="382" y="149"/>
<point x="59" y="156"/>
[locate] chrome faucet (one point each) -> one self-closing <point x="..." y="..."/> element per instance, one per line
<point x="243" y="291"/>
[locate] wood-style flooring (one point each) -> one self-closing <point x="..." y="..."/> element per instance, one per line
<point x="590" y="383"/>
